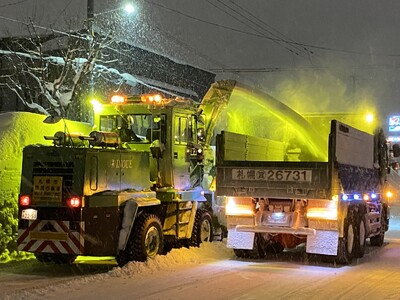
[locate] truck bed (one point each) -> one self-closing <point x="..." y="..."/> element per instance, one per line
<point x="254" y="167"/>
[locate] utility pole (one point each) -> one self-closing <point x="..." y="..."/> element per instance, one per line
<point x="90" y="15"/>
<point x="90" y="19"/>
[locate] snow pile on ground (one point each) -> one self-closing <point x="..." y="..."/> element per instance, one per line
<point x="176" y="259"/>
<point x="17" y="130"/>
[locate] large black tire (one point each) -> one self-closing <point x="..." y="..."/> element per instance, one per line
<point x="379" y="239"/>
<point x="275" y="248"/>
<point x="146" y="240"/>
<point x="62" y="259"/>
<point x="346" y="246"/>
<point x="361" y="235"/>
<point x="258" y="251"/>
<point x="202" y="228"/>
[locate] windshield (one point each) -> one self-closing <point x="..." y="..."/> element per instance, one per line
<point x="131" y="128"/>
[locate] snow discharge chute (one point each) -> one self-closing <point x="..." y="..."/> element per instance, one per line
<point x="238" y="108"/>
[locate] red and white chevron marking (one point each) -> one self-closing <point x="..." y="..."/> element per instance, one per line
<point x="62" y="240"/>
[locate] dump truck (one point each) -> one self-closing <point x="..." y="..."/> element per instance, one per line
<point x="131" y="189"/>
<point x="274" y="200"/>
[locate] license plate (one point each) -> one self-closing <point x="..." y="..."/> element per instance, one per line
<point x="29" y="214"/>
<point x="272" y="175"/>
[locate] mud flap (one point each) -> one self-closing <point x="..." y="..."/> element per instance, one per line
<point x="130" y="211"/>
<point x="240" y="240"/>
<point x="323" y="242"/>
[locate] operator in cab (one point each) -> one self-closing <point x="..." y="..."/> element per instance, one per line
<point x="126" y="133"/>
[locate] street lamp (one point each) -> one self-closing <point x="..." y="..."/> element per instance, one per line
<point x="91" y="16"/>
<point x="128" y="8"/>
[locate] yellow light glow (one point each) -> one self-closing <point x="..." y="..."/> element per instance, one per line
<point x="239" y="207"/>
<point x="330" y="212"/>
<point x="322" y="213"/>
<point x="117" y="99"/>
<point x="369" y="118"/>
<point x="389" y="194"/>
<point x="97" y="106"/>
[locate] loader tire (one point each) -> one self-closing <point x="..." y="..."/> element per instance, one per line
<point x="146" y="240"/>
<point x="202" y="228"/>
<point x="380" y="238"/>
<point x="346" y="246"/>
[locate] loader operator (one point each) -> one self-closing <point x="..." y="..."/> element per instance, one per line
<point x="126" y="133"/>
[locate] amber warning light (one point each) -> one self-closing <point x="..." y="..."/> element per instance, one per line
<point x="117" y="99"/>
<point x="151" y="98"/>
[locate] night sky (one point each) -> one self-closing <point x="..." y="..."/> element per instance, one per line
<point x="314" y="55"/>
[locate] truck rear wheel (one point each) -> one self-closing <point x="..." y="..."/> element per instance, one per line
<point x="257" y="252"/>
<point x="202" y="228"/>
<point x="361" y="236"/>
<point x="346" y="244"/>
<point x="146" y="240"/>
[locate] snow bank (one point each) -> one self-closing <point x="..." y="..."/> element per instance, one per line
<point x="176" y="258"/>
<point x="207" y="253"/>
<point x="17" y="130"/>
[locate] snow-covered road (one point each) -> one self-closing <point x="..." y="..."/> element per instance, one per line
<point x="212" y="272"/>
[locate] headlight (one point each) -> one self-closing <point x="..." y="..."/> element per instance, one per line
<point x="239" y="206"/>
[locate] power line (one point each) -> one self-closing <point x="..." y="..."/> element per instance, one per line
<point x="14" y="3"/>
<point x="256" y="30"/>
<point x="283" y="69"/>
<point x="62" y="12"/>
<point x="267" y="25"/>
<point x="271" y="38"/>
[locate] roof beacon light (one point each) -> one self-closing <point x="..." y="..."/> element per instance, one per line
<point x="117" y="99"/>
<point x="151" y="98"/>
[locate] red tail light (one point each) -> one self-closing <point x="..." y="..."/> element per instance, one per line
<point x="24" y="200"/>
<point x="74" y="202"/>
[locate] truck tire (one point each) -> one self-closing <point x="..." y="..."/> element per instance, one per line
<point x="257" y="252"/>
<point x="379" y="239"/>
<point x="346" y="246"/>
<point x="202" y="228"/>
<point x="361" y="235"/>
<point x="146" y="240"/>
<point x="275" y="248"/>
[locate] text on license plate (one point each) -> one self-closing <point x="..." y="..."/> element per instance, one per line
<point x="29" y="214"/>
<point x="272" y="175"/>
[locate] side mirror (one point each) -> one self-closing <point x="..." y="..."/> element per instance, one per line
<point x="157" y="149"/>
